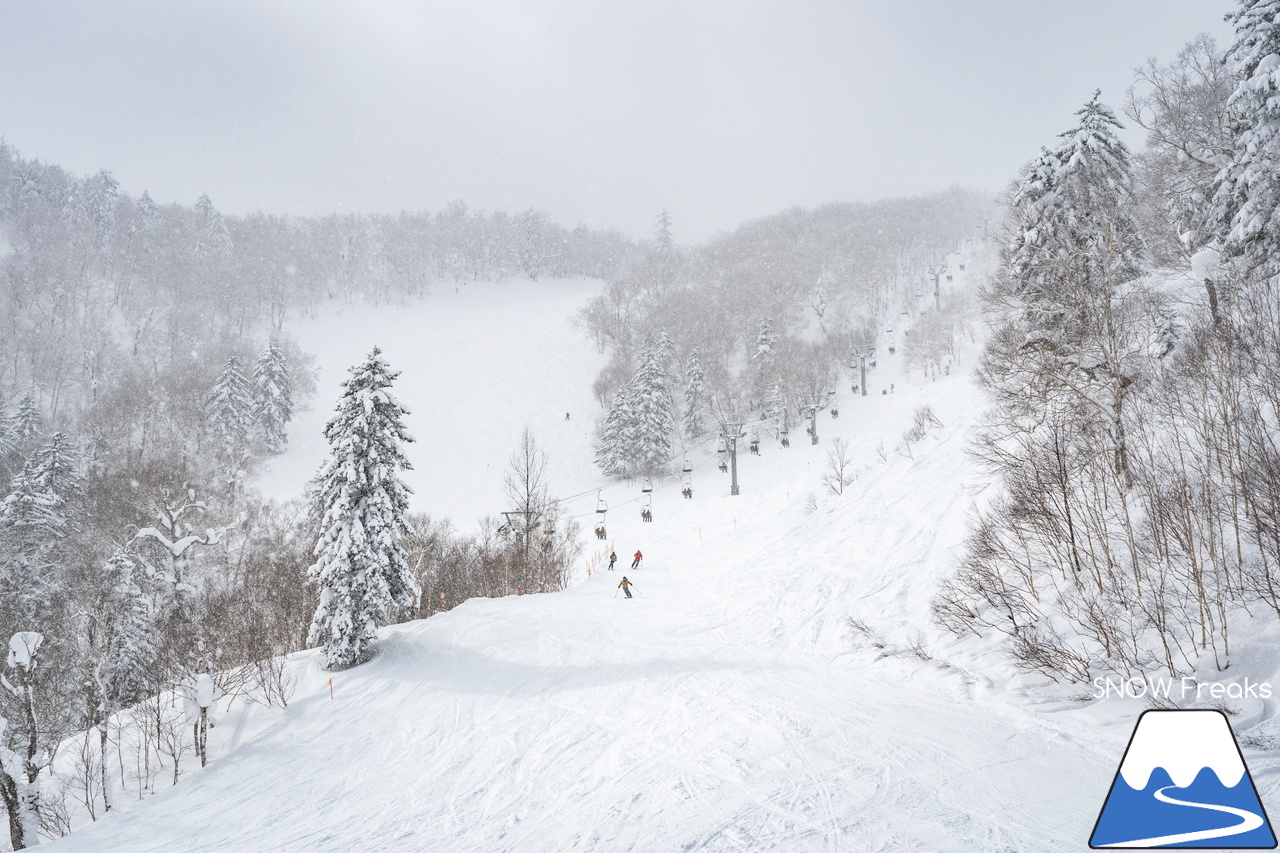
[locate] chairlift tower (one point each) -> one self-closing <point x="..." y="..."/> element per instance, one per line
<point x="862" y="351"/>
<point x="732" y="432"/>
<point x="936" y="270"/>
<point x="812" y="402"/>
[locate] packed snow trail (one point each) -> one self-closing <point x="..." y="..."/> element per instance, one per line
<point x="728" y="706"/>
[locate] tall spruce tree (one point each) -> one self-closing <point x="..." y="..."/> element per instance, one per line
<point x="28" y="424"/>
<point x="1247" y="203"/>
<point x="56" y="473"/>
<point x="272" y="398"/>
<point x="230" y="410"/>
<point x="360" y="563"/>
<point x="1067" y="293"/>
<point x="651" y="413"/>
<point x="614" y="453"/>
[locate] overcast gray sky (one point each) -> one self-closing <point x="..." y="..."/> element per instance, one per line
<point x="597" y="111"/>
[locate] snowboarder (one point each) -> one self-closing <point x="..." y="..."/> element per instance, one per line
<point x="890" y="387"/>
<point x="635" y="564"/>
<point x="613" y="558"/>
<point x="566" y="416"/>
<point x="626" y="585"/>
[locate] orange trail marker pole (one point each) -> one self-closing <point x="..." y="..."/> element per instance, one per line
<point x="330" y="688"/>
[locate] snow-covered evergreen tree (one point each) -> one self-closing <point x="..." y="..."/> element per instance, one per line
<point x="360" y="564"/>
<point x="664" y="251"/>
<point x="651" y="413"/>
<point x="230" y="410"/>
<point x="662" y="239"/>
<point x="614" y="453"/>
<point x="28" y="424"/>
<point x="56" y="471"/>
<point x="766" y="341"/>
<point x="46" y="502"/>
<point x="102" y="194"/>
<point x="213" y="238"/>
<point x="693" y="379"/>
<point x="1077" y="320"/>
<point x="126" y="630"/>
<point x="1074" y="232"/>
<point x="148" y="214"/>
<point x="39" y="518"/>
<point x="272" y="398"/>
<point x="1247" y="204"/>
<point x="30" y="522"/>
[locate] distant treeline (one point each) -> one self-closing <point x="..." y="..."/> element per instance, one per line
<point x="752" y="321"/>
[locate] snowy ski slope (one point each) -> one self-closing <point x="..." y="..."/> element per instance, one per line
<point x="728" y="706"/>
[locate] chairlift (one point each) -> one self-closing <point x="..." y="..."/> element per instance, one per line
<point x="601" y="507"/>
<point x="688" y="466"/>
<point x="723" y="446"/>
<point x="648" y="486"/>
<point x="646" y="511"/>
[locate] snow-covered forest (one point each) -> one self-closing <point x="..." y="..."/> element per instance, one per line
<point x="1134" y="364"/>
<point x="1043" y="452"/>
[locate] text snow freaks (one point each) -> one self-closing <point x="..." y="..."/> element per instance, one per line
<point x="1179" y="688"/>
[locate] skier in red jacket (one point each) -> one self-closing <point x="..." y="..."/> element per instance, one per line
<point x="635" y="564"/>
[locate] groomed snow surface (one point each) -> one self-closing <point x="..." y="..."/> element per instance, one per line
<point x="728" y="706"/>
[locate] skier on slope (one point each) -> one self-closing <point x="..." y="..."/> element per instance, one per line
<point x="626" y="586"/>
<point x="635" y="564"/>
<point x="613" y="558"/>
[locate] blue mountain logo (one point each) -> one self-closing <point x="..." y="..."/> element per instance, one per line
<point x="1183" y="783"/>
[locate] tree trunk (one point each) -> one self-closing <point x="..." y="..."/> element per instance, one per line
<point x="12" y="805"/>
